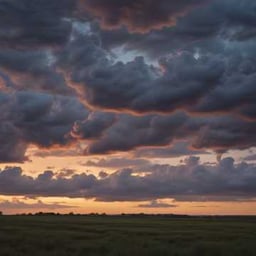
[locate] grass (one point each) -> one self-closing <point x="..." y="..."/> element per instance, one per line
<point x="126" y="236"/>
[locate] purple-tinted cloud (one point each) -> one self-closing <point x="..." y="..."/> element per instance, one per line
<point x="140" y="15"/>
<point x="191" y="181"/>
<point x="60" y="82"/>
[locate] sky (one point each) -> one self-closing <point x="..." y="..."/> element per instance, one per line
<point x="130" y="106"/>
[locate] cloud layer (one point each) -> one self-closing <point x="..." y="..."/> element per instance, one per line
<point x="142" y="15"/>
<point x="35" y="118"/>
<point x="191" y="181"/>
<point x="28" y="24"/>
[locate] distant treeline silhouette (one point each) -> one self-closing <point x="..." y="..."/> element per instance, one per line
<point x="141" y="215"/>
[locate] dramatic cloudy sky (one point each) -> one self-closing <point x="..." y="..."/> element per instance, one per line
<point x="128" y="106"/>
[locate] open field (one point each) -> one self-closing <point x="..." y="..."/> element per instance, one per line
<point x="126" y="236"/>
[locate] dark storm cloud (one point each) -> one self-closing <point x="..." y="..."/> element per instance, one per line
<point x="216" y="81"/>
<point x="127" y="132"/>
<point x="29" y="32"/>
<point x="35" y="118"/>
<point x="13" y="146"/>
<point x="232" y="20"/>
<point x="24" y="61"/>
<point x="142" y="15"/>
<point x="204" y="65"/>
<point x="32" y="69"/>
<point x="223" y="133"/>
<point x="53" y="116"/>
<point x="193" y="181"/>
<point x="94" y="126"/>
<point x="26" y="23"/>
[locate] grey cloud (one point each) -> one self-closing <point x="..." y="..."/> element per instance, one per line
<point x="129" y="132"/>
<point x="44" y="184"/>
<point x="94" y="126"/>
<point x="197" y="85"/>
<point x="223" y="133"/>
<point x="177" y="150"/>
<point x="25" y="23"/>
<point x="33" y="70"/>
<point x="219" y="133"/>
<point x="250" y="158"/>
<point x="35" y="118"/>
<point x="118" y="162"/>
<point x="13" y="146"/>
<point x="215" y="87"/>
<point x="192" y="181"/>
<point x="156" y="204"/>
<point x="39" y="205"/>
<point x="138" y="15"/>
<point x="231" y="20"/>
<point x="53" y="116"/>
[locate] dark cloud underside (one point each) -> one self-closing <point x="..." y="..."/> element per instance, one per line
<point x="205" y="65"/>
<point x="138" y="15"/>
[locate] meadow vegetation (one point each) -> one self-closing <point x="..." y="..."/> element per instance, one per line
<point x="127" y="236"/>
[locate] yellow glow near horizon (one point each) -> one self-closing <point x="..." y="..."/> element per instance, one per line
<point x="84" y="206"/>
<point x="38" y="165"/>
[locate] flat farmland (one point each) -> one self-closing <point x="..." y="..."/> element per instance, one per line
<point x="127" y="236"/>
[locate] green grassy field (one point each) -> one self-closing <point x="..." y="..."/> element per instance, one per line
<point x="131" y="236"/>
